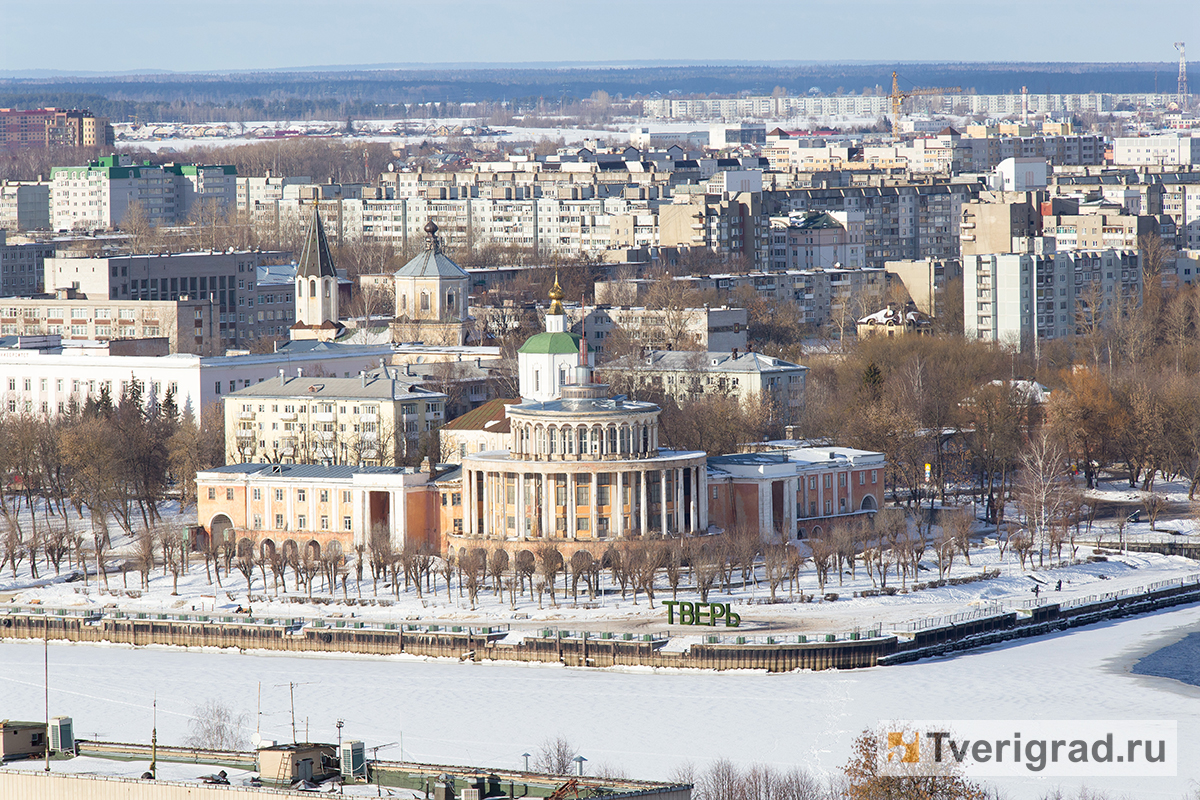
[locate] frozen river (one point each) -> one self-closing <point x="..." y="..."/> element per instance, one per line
<point x="641" y="721"/>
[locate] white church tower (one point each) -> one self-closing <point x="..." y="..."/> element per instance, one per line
<point x="548" y="360"/>
<point x="316" y="280"/>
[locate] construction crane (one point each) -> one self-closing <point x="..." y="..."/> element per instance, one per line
<point x="898" y="98"/>
<point x="1182" y="90"/>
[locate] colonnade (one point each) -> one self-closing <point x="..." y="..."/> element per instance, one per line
<point x="582" y="503"/>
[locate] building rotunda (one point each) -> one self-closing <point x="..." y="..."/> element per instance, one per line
<point x="581" y="465"/>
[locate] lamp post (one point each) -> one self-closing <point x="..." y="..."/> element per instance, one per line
<point x="579" y="761"/>
<point x="526" y="757"/>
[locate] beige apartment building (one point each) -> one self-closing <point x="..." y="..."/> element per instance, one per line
<point x="190" y="326"/>
<point x="376" y="419"/>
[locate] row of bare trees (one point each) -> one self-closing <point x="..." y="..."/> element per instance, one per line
<point x="113" y="462"/>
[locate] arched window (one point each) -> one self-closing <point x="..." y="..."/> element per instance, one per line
<point x="424" y="301"/>
<point x="328" y="283"/>
<point x="450" y="301"/>
<point x="612" y="439"/>
<point x="312" y="287"/>
<point x="583" y="440"/>
<point x="568" y="441"/>
<point x="403" y="302"/>
<point x="553" y="441"/>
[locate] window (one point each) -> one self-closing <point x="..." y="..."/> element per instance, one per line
<point x="874" y="475"/>
<point x="212" y="493"/>
<point x="346" y="497"/>
<point x="862" y="479"/>
<point x="258" y="522"/>
<point x="346" y="525"/>
<point x="229" y="494"/>
<point x="812" y="482"/>
<point x="841" y="479"/>
<point x="258" y="494"/>
<point x="827" y="481"/>
<point x="300" y="494"/>
<point x="324" y="496"/>
<point x="714" y="497"/>
<point x="279" y="521"/>
<point x="324" y="523"/>
<point x="279" y="495"/>
<point x="581" y="495"/>
<point x="302" y="522"/>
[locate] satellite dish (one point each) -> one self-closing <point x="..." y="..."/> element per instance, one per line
<point x="255" y="739"/>
<point x="391" y="166"/>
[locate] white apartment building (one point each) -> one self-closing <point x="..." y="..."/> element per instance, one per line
<point x="38" y="377"/>
<point x="689" y="375"/>
<point x="1170" y="149"/>
<point x="99" y="194"/>
<point x="1019" y="298"/>
<point x="24" y="205"/>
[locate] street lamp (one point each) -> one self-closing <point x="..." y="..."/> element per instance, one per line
<point x="579" y="760"/>
<point x="526" y="756"/>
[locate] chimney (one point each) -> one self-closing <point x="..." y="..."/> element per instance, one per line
<point x="735" y="352"/>
<point x="362" y="374"/>
<point x="282" y="380"/>
<point x="299" y="372"/>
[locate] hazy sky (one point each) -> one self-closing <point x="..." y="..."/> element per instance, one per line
<point x="185" y="35"/>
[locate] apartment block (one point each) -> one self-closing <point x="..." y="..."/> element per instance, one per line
<point x="818" y="239"/>
<point x="250" y="300"/>
<point x="53" y="127"/>
<point x="720" y="329"/>
<point x="22" y="267"/>
<point x="99" y="194"/>
<point x="1020" y="298"/>
<point x="1170" y="149"/>
<point x="375" y="419"/>
<point x="189" y="326"/>
<point x="24" y="205"/>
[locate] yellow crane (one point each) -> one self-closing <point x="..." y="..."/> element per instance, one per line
<point x="898" y="98"/>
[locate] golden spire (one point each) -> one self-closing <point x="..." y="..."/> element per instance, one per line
<point x="556" y="296"/>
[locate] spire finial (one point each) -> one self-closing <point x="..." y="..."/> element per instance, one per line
<point x="556" y="296"/>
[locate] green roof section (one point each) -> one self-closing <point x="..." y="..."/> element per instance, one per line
<point x="111" y="168"/>
<point x="557" y="343"/>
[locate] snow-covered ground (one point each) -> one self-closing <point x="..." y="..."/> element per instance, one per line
<point x="180" y="136"/>
<point x="643" y="721"/>
<point x="608" y="611"/>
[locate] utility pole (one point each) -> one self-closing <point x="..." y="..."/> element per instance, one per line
<point x="292" y="696"/>
<point x="154" y="741"/>
<point x="46" y="680"/>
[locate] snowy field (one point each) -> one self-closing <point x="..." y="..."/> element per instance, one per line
<point x="642" y="721"/>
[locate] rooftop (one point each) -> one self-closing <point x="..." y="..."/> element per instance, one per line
<point x="701" y="361"/>
<point x="431" y="262"/>
<point x="482" y="418"/>
<point x="379" y="384"/>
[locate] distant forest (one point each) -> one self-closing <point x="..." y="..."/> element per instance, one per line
<point x="389" y="93"/>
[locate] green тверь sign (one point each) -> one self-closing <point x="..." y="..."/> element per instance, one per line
<point x="702" y="613"/>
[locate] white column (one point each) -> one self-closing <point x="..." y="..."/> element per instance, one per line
<point x="468" y="502"/>
<point x="764" y="507"/>
<point x="702" y="471"/>
<point x="643" y="509"/>
<point x="789" y="509"/>
<point x="572" y="508"/>
<point x="662" y="500"/>
<point x="487" y="504"/>
<point x="620" y="515"/>
<point x="697" y="498"/>
<point x="521" y="506"/>
<point x="677" y="475"/>
<point x="546" y="509"/>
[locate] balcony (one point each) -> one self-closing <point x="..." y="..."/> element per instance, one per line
<point x="323" y="417"/>
<point x="245" y="415"/>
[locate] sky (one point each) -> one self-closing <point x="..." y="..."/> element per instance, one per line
<point x="223" y="35"/>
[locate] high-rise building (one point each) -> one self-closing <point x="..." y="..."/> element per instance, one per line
<point x="53" y="127"/>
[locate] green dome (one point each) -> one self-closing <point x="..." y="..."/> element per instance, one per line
<point x="557" y="343"/>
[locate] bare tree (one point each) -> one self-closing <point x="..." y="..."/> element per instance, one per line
<point x="555" y="756"/>
<point x="216" y="726"/>
<point x="550" y="563"/>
